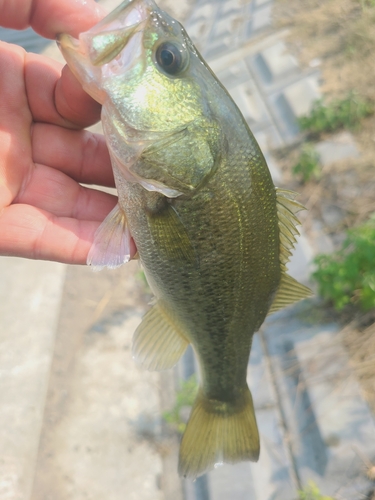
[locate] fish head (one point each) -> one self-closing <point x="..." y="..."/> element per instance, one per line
<point x="140" y="64"/>
<point x="135" y="52"/>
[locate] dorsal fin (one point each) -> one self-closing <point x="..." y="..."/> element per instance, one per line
<point x="289" y="290"/>
<point x="287" y="208"/>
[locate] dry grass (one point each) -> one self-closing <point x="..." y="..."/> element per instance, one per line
<point x="359" y="339"/>
<point x="339" y="32"/>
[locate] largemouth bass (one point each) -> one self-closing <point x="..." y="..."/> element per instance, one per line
<point x="194" y="192"/>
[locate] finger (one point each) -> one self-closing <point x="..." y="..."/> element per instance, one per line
<point x="35" y="234"/>
<point x="55" y="192"/>
<point x="29" y="232"/>
<point x="80" y="154"/>
<point x="50" y="17"/>
<point x="15" y="122"/>
<point x="73" y="103"/>
<point x="56" y="97"/>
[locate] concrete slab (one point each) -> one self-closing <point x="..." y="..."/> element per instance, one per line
<point x="234" y="75"/>
<point x="269" y="138"/>
<point x="30" y="294"/>
<point x="199" y="31"/>
<point x="274" y="169"/>
<point x="345" y="424"/>
<point x="101" y="433"/>
<point x="262" y="2"/>
<point x="232" y="481"/>
<point x="231" y="6"/>
<point x="262" y="17"/>
<point x="339" y="147"/>
<point x="217" y="46"/>
<point x="271" y="476"/>
<point x="203" y="12"/>
<point x="328" y="425"/>
<point x="301" y="95"/>
<point x="228" y="26"/>
<point x="250" y="103"/>
<point x="276" y="62"/>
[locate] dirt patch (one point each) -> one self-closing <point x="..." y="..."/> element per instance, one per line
<point x="359" y="339"/>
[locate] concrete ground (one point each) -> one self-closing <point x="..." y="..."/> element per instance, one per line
<point x="79" y="420"/>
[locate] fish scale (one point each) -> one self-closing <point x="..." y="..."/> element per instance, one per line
<point x="212" y="232"/>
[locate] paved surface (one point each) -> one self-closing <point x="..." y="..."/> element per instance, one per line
<point x="79" y="420"/>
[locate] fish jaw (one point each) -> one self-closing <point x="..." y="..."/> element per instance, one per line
<point x="105" y="50"/>
<point x="85" y="73"/>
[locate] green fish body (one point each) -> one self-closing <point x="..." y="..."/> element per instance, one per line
<point x="212" y="232"/>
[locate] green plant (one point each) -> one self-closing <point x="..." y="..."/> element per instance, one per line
<point x="348" y="275"/>
<point x="367" y="3"/>
<point x="339" y="113"/>
<point x="308" y="165"/>
<point x="185" y="396"/>
<point x="141" y="277"/>
<point x="312" y="492"/>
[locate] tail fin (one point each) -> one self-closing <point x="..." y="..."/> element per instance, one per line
<point x="218" y="432"/>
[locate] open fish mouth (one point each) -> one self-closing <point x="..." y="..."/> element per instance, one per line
<point x="115" y="39"/>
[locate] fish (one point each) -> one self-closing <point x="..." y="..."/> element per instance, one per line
<point x="213" y="233"/>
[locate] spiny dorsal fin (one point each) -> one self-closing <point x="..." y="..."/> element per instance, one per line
<point x="157" y="342"/>
<point x="289" y="292"/>
<point x="287" y="207"/>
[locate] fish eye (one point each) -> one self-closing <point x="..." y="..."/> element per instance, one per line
<point x="170" y="58"/>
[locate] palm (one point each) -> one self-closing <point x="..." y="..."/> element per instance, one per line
<point x="45" y="154"/>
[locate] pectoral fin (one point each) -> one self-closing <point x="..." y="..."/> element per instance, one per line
<point x="158" y="342"/>
<point x="112" y="242"/>
<point x="170" y="235"/>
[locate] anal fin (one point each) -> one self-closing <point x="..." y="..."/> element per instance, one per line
<point x="289" y="292"/>
<point x="158" y="343"/>
<point x="112" y="245"/>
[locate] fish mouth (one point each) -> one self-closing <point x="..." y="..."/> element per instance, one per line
<point x="110" y="34"/>
<point x="105" y="42"/>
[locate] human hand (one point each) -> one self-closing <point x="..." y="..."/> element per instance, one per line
<point x="44" y="152"/>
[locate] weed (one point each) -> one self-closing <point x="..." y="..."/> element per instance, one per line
<point x="141" y="277"/>
<point x="339" y="113"/>
<point x="308" y="166"/>
<point x="367" y="3"/>
<point x="312" y="492"/>
<point x="185" y="397"/>
<point x="348" y="275"/>
<point x="359" y="37"/>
